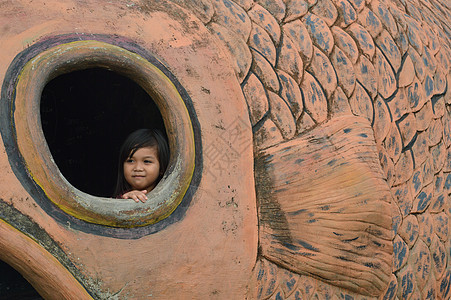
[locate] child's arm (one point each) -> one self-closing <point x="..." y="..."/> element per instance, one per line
<point x="136" y="195"/>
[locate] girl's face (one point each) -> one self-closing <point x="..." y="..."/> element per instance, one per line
<point x="142" y="169"/>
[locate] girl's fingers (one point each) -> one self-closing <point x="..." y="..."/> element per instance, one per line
<point x="143" y="198"/>
<point x="137" y="196"/>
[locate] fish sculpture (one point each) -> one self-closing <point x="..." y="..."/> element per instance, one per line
<point x="310" y="150"/>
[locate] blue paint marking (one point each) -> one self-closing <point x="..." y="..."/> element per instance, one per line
<point x="396" y="221"/>
<point x="320" y="40"/>
<point x="438" y="182"/>
<point x="227" y="3"/>
<point x="430" y="294"/>
<point x="448" y="182"/>
<point x="440" y="201"/>
<point x="349" y="297"/>
<point x="317" y="29"/>
<point x="383" y="13"/>
<point x="285" y="149"/>
<point x="400" y="251"/>
<point x="364" y="69"/>
<point x="271" y="287"/>
<point x="402" y="40"/>
<point x="414" y="96"/>
<point x="332" y="162"/>
<point x="278" y="296"/>
<point x="234" y="10"/>
<point x="291" y="246"/>
<point x="439" y="259"/>
<point x="269" y="157"/>
<point x="426" y="57"/>
<point x="299" y="160"/>
<point x="256" y="39"/>
<point x="424" y="200"/>
<point x="297" y="294"/>
<point x="261" y="272"/>
<point x="305" y="254"/>
<point x="391" y="292"/>
<point x="416" y="180"/>
<point x="242" y="17"/>
<point x="297" y="212"/>
<point x="309" y="22"/>
<point x="429" y="85"/>
<point x="409" y="226"/>
<point x="290" y="284"/>
<point x="283" y="77"/>
<point x="407" y="285"/>
<point x="348" y="12"/>
<point x="272" y="271"/>
<point x="341" y="59"/>
<point x="363" y="135"/>
<point x="372" y="19"/>
<point x="260" y="291"/>
<point x="357" y="2"/>
<point x="434" y="101"/>
<point x="377" y="243"/>
<point x="347" y="130"/>
<point x="351" y="240"/>
<point x="316" y="92"/>
<point x="444" y="285"/>
<point x="343" y="258"/>
<point x="307" y="245"/>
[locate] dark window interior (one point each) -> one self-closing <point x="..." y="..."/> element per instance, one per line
<point x="14" y="286"/>
<point x="86" y="115"/>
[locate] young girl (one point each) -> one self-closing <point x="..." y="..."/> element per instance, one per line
<point x="143" y="159"/>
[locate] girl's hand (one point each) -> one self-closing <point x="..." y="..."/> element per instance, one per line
<point x="136" y="195"/>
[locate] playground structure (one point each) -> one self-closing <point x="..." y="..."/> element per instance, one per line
<point x="310" y="149"/>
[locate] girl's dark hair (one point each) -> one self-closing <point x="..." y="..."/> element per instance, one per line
<point x="139" y="139"/>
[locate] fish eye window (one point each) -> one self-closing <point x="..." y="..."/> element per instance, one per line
<point x="85" y="117"/>
<point x="66" y="115"/>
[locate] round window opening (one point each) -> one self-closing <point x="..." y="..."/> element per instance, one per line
<point x="85" y="116"/>
<point x="73" y="106"/>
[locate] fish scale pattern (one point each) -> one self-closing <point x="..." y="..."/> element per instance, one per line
<point x="303" y="62"/>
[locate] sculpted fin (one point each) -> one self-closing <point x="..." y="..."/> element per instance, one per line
<point x="324" y="207"/>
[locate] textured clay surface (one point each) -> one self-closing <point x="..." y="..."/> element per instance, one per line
<point x="325" y="128"/>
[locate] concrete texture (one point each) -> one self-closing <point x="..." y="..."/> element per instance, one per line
<point x="323" y="158"/>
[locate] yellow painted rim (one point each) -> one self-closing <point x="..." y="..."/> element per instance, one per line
<point x="64" y="58"/>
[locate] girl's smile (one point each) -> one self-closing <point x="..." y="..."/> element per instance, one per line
<point x="142" y="169"/>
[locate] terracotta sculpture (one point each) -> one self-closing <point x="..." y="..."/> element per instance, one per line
<point x="310" y="150"/>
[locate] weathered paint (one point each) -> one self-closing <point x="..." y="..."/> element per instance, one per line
<point x="399" y="52"/>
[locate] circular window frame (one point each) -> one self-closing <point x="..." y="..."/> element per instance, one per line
<point x="79" y="55"/>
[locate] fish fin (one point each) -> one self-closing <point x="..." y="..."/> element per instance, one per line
<point x="324" y="207"/>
